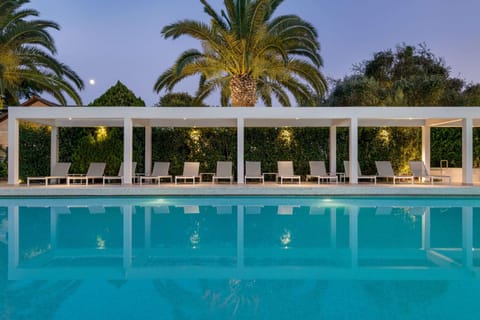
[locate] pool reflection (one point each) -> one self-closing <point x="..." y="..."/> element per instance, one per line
<point x="291" y="240"/>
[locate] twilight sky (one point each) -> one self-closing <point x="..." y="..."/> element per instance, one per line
<point x="110" y="40"/>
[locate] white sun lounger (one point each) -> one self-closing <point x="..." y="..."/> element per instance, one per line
<point x="285" y="172"/>
<point x="419" y="170"/>
<point x="253" y="171"/>
<point x="318" y="171"/>
<point x="190" y="172"/>
<point x="95" y="171"/>
<point x="346" y="164"/>
<point x="224" y="171"/>
<point x="120" y="173"/>
<point x="385" y="170"/>
<point x="59" y="172"/>
<point x="159" y="172"/>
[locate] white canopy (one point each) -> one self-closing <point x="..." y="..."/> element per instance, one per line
<point x="351" y="117"/>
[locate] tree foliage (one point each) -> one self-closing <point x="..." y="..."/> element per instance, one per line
<point x="409" y="76"/>
<point x="27" y="62"/>
<point x="248" y="55"/>
<point x="179" y="99"/>
<point x="118" y="96"/>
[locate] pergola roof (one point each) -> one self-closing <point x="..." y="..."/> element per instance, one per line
<point x="252" y="117"/>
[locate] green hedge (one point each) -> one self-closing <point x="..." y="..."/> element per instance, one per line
<point x="268" y="145"/>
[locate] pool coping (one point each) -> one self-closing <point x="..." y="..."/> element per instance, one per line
<point x="205" y="189"/>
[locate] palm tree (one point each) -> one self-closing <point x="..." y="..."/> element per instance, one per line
<point x="27" y="63"/>
<point x="248" y="55"/>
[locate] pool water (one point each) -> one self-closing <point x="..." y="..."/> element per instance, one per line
<point x="239" y="258"/>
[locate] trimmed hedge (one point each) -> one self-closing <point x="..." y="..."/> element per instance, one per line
<point x="268" y="145"/>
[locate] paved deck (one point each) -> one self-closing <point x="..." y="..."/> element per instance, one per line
<point x="305" y="189"/>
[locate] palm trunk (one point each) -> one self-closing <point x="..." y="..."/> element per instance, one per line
<point x="243" y="90"/>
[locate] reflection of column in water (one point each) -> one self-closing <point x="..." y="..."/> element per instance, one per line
<point x="240" y="236"/>
<point x="353" y="218"/>
<point x="55" y="212"/>
<point x="333" y="228"/>
<point x="13" y="240"/>
<point x="148" y="227"/>
<point x="467" y="235"/>
<point x="127" y="236"/>
<point x="53" y="228"/>
<point x="426" y="229"/>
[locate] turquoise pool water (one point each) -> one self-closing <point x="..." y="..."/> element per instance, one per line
<point x="240" y="258"/>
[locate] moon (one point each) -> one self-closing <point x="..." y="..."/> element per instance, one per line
<point x="91" y="82"/>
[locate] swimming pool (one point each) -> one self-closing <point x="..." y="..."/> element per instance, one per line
<point x="239" y="258"/>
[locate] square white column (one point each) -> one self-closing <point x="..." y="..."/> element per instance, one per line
<point x="353" y="151"/>
<point x="467" y="151"/>
<point x="127" y="150"/>
<point x="333" y="149"/>
<point x="148" y="150"/>
<point x="240" y="150"/>
<point x="53" y="148"/>
<point x="13" y="150"/>
<point x="426" y="150"/>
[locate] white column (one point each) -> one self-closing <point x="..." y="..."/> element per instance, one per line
<point x="127" y="236"/>
<point x="467" y="235"/>
<point x="53" y="148"/>
<point x="467" y="151"/>
<point x="240" y="150"/>
<point x="426" y="146"/>
<point x="127" y="150"/>
<point x="13" y="147"/>
<point x="353" y="151"/>
<point x="148" y="150"/>
<point x="333" y="149"/>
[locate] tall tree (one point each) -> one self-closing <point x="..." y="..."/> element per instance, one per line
<point x="118" y="96"/>
<point x="27" y="62"/>
<point x="249" y="54"/>
<point x="408" y="76"/>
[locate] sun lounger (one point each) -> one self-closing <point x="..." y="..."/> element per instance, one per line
<point x="95" y="171"/>
<point x="285" y="172"/>
<point x="224" y="171"/>
<point x="253" y="171"/>
<point x="385" y="170"/>
<point x="190" y="172"/>
<point x="319" y="172"/>
<point x="159" y="172"/>
<point x="346" y="164"/>
<point x="419" y="170"/>
<point x="120" y="173"/>
<point x="59" y="172"/>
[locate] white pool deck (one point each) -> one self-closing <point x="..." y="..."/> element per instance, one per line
<point x="268" y="189"/>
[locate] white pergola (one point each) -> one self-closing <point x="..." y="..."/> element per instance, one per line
<point x="351" y="117"/>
